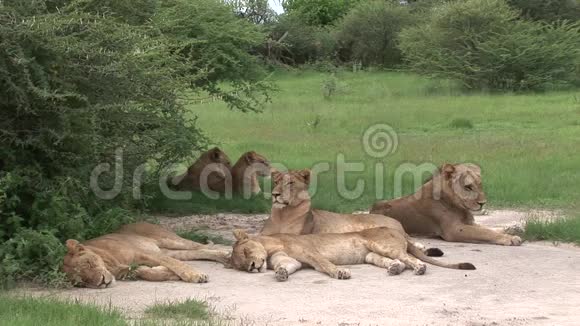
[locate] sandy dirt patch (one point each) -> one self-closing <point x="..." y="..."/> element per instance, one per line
<point x="535" y="284"/>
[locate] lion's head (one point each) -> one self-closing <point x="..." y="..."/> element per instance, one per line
<point x="290" y="188"/>
<point x="259" y="164"/>
<point x="461" y="183"/>
<point x="85" y="268"/>
<point x="215" y="157"/>
<point x="248" y="255"/>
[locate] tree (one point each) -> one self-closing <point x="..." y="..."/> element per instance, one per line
<point x="84" y="80"/>
<point x="548" y="10"/>
<point x="319" y="12"/>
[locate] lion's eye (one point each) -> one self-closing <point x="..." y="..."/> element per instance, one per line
<point x="469" y="187"/>
<point x="290" y="183"/>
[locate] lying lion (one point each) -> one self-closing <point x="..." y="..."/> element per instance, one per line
<point x="217" y="180"/>
<point x="246" y="171"/>
<point x="286" y="253"/>
<point x="292" y="212"/>
<point x="443" y="207"/>
<point x="97" y="263"/>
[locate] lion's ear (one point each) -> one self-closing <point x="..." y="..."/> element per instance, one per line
<point x="447" y="170"/>
<point x="215" y="154"/>
<point x="249" y="156"/>
<point x="305" y="174"/>
<point x="275" y="173"/>
<point x="241" y="235"/>
<point x="474" y="167"/>
<point x="74" y="246"/>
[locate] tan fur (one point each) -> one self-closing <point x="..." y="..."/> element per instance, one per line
<point x="214" y="159"/>
<point x="443" y="207"/>
<point x="97" y="263"/>
<point x="246" y="171"/>
<point x="287" y="253"/>
<point x="292" y="212"/>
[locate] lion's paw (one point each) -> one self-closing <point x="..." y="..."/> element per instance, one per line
<point x="281" y="274"/>
<point x="194" y="277"/>
<point x="396" y="267"/>
<point x="342" y="273"/>
<point x="420" y="269"/>
<point x="511" y="241"/>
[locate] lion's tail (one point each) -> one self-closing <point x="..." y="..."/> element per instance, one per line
<point x="415" y="251"/>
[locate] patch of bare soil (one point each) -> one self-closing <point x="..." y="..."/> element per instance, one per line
<point x="529" y="285"/>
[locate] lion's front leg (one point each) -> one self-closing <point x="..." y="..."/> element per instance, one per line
<point x="478" y="234"/>
<point x="184" y="271"/>
<point x="283" y="265"/>
<point x="156" y="274"/>
<point x="323" y="265"/>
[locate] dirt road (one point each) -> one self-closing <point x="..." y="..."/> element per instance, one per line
<point x="535" y="284"/>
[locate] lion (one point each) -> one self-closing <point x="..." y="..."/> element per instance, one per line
<point x="292" y="212"/>
<point x="443" y="207"/>
<point x="157" y="253"/>
<point x="212" y="167"/>
<point x="286" y="253"/>
<point x="246" y="171"/>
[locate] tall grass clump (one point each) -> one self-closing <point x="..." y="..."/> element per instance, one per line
<point x="565" y="229"/>
<point x="485" y="45"/>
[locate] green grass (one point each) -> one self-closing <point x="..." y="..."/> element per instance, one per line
<point x="28" y="311"/>
<point x="565" y="230"/>
<point x="525" y="143"/>
<point x="190" y="309"/>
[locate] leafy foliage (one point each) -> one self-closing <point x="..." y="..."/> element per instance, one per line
<point x="548" y="10"/>
<point x="483" y="44"/>
<point x="369" y="32"/>
<point x="294" y="42"/>
<point x="319" y="12"/>
<point x="86" y="82"/>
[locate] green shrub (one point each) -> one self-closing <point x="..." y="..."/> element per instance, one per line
<point x="484" y="45"/>
<point x="86" y="82"/>
<point x="319" y="12"/>
<point x="294" y="42"/>
<point x="548" y="10"/>
<point x="369" y="32"/>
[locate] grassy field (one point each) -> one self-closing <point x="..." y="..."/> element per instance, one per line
<point x="525" y="143"/>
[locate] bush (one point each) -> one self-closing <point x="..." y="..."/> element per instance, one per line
<point x="319" y="12"/>
<point x="548" y="10"/>
<point x="83" y="81"/>
<point x="484" y="45"/>
<point x="294" y="42"/>
<point x="369" y="33"/>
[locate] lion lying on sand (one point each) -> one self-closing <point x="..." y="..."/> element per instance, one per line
<point x="97" y="263"/>
<point x="286" y="253"/>
<point x="443" y="207"/>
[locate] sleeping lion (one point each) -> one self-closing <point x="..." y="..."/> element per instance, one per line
<point x="383" y="247"/>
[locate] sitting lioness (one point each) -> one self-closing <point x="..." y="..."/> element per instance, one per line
<point x="286" y="253"/>
<point x="246" y="171"/>
<point x="292" y="212"/>
<point x="212" y="167"/>
<point x="97" y="263"/>
<point x="443" y="207"/>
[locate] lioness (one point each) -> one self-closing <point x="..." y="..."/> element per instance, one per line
<point x="246" y="171"/>
<point x="292" y="212"/>
<point x="97" y="263"/>
<point x="443" y="207"/>
<point x="214" y="166"/>
<point x="286" y="253"/>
